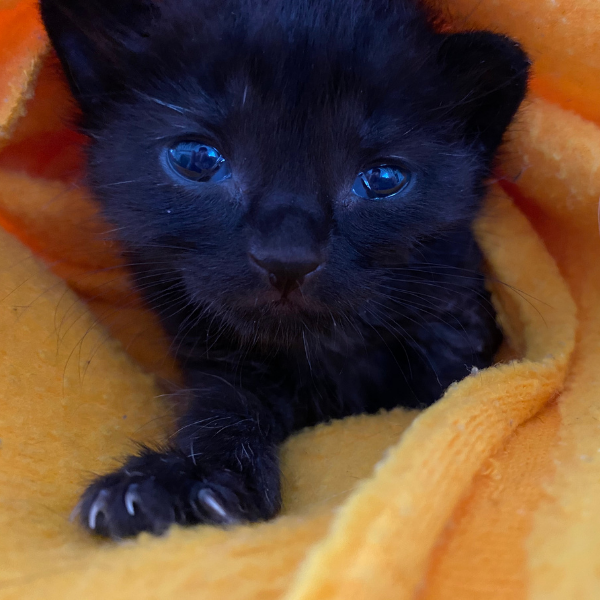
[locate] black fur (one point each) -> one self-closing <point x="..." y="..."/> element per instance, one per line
<point x="300" y="96"/>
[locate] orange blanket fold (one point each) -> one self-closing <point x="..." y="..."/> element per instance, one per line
<point x="490" y="493"/>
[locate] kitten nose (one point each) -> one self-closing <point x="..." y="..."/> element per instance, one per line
<point x="287" y="274"/>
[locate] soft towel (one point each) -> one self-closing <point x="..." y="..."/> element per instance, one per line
<point x="493" y="492"/>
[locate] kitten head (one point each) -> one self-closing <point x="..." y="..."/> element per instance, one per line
<point x="281" y="158"/>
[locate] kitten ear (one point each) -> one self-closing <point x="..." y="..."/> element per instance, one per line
<point x="96" y="40"/>
<point x="489" y="72"/>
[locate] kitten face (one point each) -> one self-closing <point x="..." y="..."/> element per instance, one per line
<point x="297" y="103"/>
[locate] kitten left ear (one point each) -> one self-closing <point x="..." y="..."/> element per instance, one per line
<point x="97" y="41"/>
<point x="489" y="73"/>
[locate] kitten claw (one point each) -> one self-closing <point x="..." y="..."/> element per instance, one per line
<point x="99" y="507"/>
<point x="132" y="497"/>
<point x="208" y="499"/>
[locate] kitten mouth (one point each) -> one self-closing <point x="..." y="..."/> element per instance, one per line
<point x="289" y="310"/>
<point x="284" y="326"/>
<point x="274" y="312"/>
<point x="288" y="301"/>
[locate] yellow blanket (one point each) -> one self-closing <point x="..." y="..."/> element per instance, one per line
<point x="494" y="492"/>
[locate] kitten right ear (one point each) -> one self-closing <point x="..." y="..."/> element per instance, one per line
<point x="489" y="74"/>
<point x="95" y="40"/>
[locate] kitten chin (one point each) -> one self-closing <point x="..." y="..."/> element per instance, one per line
<point x="274" y="329"/>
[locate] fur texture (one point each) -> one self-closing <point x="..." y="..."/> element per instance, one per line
<point x="300" y="96"/>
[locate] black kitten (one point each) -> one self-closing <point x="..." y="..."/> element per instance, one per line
<point x="294" y="182"/>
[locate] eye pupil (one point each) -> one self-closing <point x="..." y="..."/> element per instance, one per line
<point x="383" y="179"/>
<point x="381" y="182"/>
<point x="198" y="162"/>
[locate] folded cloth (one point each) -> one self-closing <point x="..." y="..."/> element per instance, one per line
<point x="490" y="493"/>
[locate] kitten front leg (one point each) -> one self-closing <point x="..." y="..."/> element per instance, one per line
<point x="222" y="468"/>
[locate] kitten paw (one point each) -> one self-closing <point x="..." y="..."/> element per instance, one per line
<point x="154" y="491"/>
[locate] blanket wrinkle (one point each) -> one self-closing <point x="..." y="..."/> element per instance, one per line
<point x="490" y="493"/>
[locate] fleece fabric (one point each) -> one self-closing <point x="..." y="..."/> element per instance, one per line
<point x="491" y="493"/>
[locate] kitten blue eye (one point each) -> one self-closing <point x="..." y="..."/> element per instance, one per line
<point x="381" y="182"/>
<point x="198" y="162"/>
